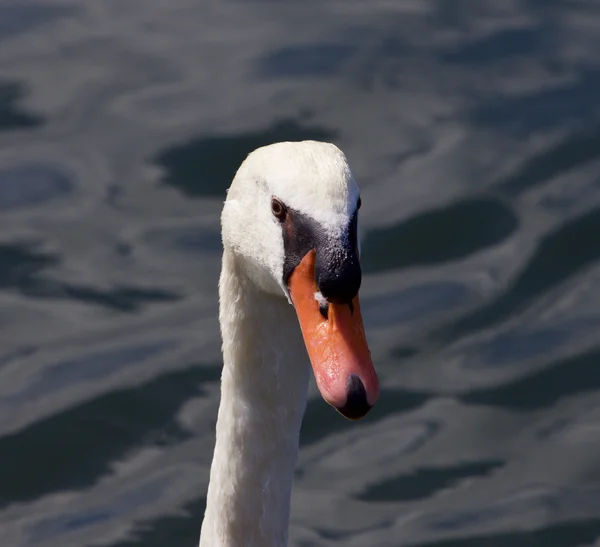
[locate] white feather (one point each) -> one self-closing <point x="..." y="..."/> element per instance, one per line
<point x="265" y="374"/>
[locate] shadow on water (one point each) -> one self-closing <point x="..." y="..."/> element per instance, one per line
<point x="305" y="60"/>
<point x="124" y="299"/>
<point x="552" y="107"/>
<point x="543" y="388"/>
<point x="404" y="352"/>
<point x="205" y="166"/>
<point x="176" y="531"/>
<point x="17" y="353"/>
<point x="517" y="344"/>
<point x="11" y="115"/>
<point x="413" y="303"/>
<point x="320" y="421"/>
<point x="504" y="44"/>
<point x="190" y="241"/>
<point x="21" y="266"/>
<point x="442" y="235"/>
<point x="570" y="534"/>
<point x="81" y="443"/>
<point x="426" y="482"/>
<point x="17" y="18"/>
<point x="76" y="518"/>
<point x="87" y="367"/>
<point x="574" y="151"/>
<point x="31" y="184"/>
<point x="560" y="255"/>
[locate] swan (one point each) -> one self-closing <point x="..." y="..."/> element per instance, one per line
<point x="289" y="234"/>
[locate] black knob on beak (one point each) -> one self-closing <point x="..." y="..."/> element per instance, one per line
<point x="337" y="273"/>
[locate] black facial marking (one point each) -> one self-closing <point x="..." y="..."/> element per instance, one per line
<point x="324" y="310"/>
<point x="337" y="268"/>
<point x="301" y="234"/>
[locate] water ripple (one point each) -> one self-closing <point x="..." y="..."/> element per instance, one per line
<point x="205" y="166"/>
<point x="11" y="115"/>
<point x="439" y="236"/>
<point x="32" y="184"/>
<point x="81" y="443"/>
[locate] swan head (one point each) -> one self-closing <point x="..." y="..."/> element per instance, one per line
<point x="291" y="219"/>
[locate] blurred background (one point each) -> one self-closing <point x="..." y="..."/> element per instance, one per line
<point x="473" y="128"/>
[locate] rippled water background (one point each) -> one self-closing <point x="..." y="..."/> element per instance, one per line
<point x="473" y="127"/>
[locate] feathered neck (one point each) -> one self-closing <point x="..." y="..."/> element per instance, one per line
<point x="263" y="398"/>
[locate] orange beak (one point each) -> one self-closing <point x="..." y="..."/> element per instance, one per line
<point x="336" y="345"/>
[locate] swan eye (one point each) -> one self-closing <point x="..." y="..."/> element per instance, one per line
<point x="278" y="209"/>
<point x="358" y="204"/>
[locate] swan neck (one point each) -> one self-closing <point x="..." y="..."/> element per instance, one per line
<point x="263" y="397"/>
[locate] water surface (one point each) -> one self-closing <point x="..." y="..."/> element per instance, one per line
<point x="473" y="130"/>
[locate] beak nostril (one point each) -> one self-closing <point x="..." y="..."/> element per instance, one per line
<point x="324" y="309"/>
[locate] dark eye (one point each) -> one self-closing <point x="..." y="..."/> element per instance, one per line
<point x="278" y="209"/>
<point x="358" y="204"/>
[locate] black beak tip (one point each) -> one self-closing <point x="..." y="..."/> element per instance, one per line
<point x="356" y="406"/>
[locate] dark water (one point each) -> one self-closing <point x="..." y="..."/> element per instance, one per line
<point x="473" y="128"/>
